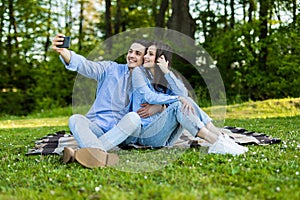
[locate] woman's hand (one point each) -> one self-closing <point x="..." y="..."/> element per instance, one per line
<point x="187" y="107"/>
<point x="65" y="53"/>
<point x="163" y="64"/>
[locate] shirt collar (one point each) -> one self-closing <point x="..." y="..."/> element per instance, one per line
<point x="147" y="72"/>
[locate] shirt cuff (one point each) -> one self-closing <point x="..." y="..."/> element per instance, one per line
<point x="72" y="66"/>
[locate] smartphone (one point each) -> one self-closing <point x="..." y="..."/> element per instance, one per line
<point x="66" y="44"/>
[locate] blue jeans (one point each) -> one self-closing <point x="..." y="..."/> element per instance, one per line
<point x="168" y="126"/>
<point x="88" y="134"/>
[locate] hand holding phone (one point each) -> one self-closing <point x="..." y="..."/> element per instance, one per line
<point x="66" y="44"/>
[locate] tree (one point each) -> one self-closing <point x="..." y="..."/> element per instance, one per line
<point x="263" y="32"/>
<point x="80" y="30"/>
<point x="180" y="13"/>
<point x="108" y="31"/>
<point x="48" y="41"/>
<point x="258" y="51"/>
<point x="295" y="17"/>
<point x="232" y="18"/>
<point x="117" y="26"/>
<point x="160" y="17"/>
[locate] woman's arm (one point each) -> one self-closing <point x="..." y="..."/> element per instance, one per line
<point x="140" y="86"/>
<point x="175" y="84"/>
<point x="139" y="82"/>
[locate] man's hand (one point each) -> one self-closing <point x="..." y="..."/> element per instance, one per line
<point x="65" y="53"/>
<point x="149" y="110"/>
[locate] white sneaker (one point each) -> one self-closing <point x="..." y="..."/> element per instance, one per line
<point x="225" y="145"/>
<point x="231" y="141"/>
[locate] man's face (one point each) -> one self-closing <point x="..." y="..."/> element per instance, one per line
<point x="135" y="55"/>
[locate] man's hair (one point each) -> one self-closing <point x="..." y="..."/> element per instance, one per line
<point x="144" y="43"/>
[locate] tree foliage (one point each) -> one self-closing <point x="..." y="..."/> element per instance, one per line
<point x="256" y="44"/>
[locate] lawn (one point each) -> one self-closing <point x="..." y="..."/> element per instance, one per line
<point x="265" y="172"/>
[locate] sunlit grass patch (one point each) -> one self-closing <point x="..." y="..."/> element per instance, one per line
<point x="260" y="109"/>
<point x="38" y="122"/>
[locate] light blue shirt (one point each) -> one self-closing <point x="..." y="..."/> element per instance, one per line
<point x="109" y="106"/>
<point x="143" y="91"/>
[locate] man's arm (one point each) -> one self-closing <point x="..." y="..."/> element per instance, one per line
<point x="78" y="63"/>
<point x="65" y="53"/>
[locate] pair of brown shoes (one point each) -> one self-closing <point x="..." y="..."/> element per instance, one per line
<point x="90" y="157"/>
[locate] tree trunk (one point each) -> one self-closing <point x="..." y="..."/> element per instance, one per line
<point x="48" y="41"/>
<point x="160" y="18"/>
<point x="68" y="18"/>
<point x="295" y="22"/>
<point x="277" y="12"/>
<point x="12" y="51"/>
<point x="225" y="15"/>
<point x="12" y="26"/>
<point x="263" y="34"/>
<point x="244" y="10"/>
<point x="232" y="18"/>
<point x="181" y="19"/>
<point x="252" y="6"/>
<point x="80" y="31"/>
<point x="118" y="18"/>
<point x="205" y="22"/>
<point x="108" y="31"/>
<point x="2" y="9"/>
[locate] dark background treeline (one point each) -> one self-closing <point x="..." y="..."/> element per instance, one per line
<point x="255" y="44"/>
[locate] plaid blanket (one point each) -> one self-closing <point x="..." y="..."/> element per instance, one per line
<point x="55" y="143"/>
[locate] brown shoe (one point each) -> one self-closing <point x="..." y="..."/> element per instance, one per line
<point x="68" y="155"/>
<point x="94" y="157"/>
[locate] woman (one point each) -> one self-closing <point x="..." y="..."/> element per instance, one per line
<point x="155" y="83"/>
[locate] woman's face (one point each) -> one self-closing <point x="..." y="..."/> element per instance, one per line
<point x="149" y="58"/>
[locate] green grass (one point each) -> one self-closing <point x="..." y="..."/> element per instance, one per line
<point x="265" y="172"/>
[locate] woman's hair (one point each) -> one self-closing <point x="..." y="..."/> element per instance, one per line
<point x="159" y="80"/>
<point x="163" y="49"/>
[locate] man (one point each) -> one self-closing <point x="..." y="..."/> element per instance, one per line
<point x="109" y="115"/>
